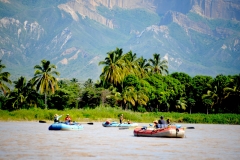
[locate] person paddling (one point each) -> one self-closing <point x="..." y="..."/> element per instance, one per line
<point x="128" y="121"/>
<point x="56" y="118"/>
<point x="155" y="124"/>
<point x="121" y="118"/>
<point x="68" y="119"/>
<point x="168" y="121"/>
<point x="161" y="122"/>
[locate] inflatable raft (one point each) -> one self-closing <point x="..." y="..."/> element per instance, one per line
<point x="116" y="124"/>
<point x="66" y="127"/>
<point x="170" y="131"/>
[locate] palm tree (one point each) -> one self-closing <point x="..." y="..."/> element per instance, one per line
<point x="44" y="80"/>
<point x="216" y="91"/>
<point x="235" y="90"/>
<point x="142" y="98"/>
<point x="191" y="103"/>
<point x="207" y="102"/>
<point x="131" y="57"/>
<point x="157" y="65"/>
<point x="211" y="97"/>
<point x="144" y="67"/>
<point x="18" y="96"/>
<point x="131" y="63"/>
<point x="74" y="80"/>
<point x="114" y="68"/>
<point x="4" y="78"/>
<point x="129" y="96"/>
<point x="181" y="103"/>
<point x="88" y="83"/>
<point x="32" y="95"/>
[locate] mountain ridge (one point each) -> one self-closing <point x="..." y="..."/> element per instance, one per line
<point x="76" y="35"/>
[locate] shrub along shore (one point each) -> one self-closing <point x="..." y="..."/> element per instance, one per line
<point x="101" y="114"/>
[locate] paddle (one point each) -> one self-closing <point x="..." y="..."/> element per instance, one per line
<point x="181" y="126"/>
<point x="132" y="127"/>
<point x="89" y="123"/>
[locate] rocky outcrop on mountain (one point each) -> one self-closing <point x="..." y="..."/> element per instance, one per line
<point x="20" y="36"/>
<point x="225" y="9"/>
<point x="208" y="8"/>
<point x="183" y="21"/>
<point x="85" y="9"/>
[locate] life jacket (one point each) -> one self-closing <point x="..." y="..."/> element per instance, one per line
<point x="68" y="119"/>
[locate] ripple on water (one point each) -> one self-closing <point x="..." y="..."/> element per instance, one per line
<point x="32" y="140"/>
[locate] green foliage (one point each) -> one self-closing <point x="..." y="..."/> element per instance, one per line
<point x="131" y="80"/>
<point x="101" y="114"/>
<point x="151" y="91"/>
<point x="141" y="109"/>
<point x="44" y="79"/>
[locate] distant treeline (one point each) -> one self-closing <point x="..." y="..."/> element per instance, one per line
<point x="127" y="82"/>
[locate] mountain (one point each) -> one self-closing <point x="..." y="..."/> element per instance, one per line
<point x="198" y="37"/>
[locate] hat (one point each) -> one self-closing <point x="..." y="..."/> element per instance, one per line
<point x="155" y="121"/>
<point x="56" y="115"/>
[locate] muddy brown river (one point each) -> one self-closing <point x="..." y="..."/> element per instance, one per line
<point x="33" y="140"/>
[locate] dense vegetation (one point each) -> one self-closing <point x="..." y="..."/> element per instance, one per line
<point x="102" y="113"/>
<point x="127" y="82"/>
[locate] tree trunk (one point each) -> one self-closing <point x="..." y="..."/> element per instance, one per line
<point x="45" y="100"/>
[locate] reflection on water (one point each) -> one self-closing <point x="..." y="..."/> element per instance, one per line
<point x="33" y="140"/>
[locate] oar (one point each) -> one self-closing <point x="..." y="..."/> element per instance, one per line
<point x="89" y="123"/>
<point x="132" y="127"/>
<point x="183" y="127"/>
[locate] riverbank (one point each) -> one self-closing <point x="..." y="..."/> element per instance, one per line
<point x="101" y="114"/>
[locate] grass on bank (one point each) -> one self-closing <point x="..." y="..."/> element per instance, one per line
<point x="101" y="114"/>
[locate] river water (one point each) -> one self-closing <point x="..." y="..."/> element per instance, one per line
<point x="33" y="140"/>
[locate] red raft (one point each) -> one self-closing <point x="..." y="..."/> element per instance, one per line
<point x="170" y="131"/>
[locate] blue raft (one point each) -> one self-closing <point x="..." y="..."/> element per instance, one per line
<point x="66" y="127"/>
<point x="116" y="124"/>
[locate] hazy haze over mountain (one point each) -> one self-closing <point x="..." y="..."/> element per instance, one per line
<point x="195" y="36"/>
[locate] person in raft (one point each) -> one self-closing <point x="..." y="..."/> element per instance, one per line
<point x="161" y="122"/>
<point x="107" y="122"/>
<point x="68" y="119"/>
<point x="121" y="118"/>
<point x="56" y="118"/>
<point x="129" y="122"/>
<point x="155" y="124"/>
<point x="168" y="121"/>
